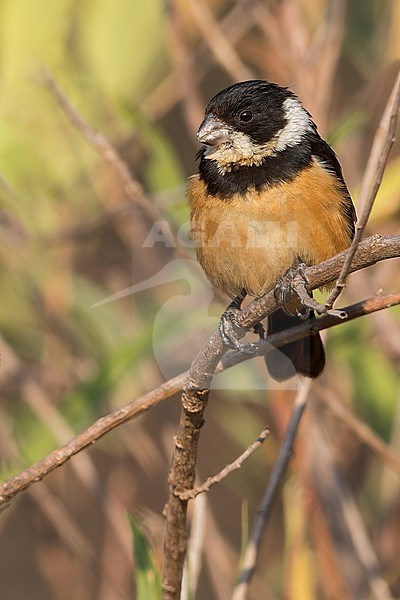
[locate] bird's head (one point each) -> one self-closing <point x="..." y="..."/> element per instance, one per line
<point x="251" y="120"/>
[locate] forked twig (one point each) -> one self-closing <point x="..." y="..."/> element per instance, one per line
<point x="194" y="402"/>
<point x="369" y="252"/>
<point x="233" y="466"/>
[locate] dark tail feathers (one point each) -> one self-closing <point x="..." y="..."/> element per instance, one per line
<point x="305" y="356"/>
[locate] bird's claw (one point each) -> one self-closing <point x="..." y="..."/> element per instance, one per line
<point x="302" y="314"/>
<point x="283" y="289"/>
<point x="231" y="332"/>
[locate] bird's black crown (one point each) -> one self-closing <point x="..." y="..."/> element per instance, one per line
<point x="263" y="100"/>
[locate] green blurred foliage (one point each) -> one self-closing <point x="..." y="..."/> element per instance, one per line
<point x="374" y="390"/>
<point x="148" y="581"/>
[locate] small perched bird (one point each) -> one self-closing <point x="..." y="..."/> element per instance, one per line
<point x="269" y="196"/>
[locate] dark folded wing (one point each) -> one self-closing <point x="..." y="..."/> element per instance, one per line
<point x="327" y="157"/>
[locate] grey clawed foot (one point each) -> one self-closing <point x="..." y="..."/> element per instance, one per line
<point x="231" y="331"/>
<point x="284" y="290"/>
<point x="295" y="281"/>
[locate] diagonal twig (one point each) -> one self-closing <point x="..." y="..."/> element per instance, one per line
<point x="23" y="480"/>
<point x="333" y="490"/>
<point x="194" y="402"/>
<point x="132" y="187"/>
<point x="379" y="155"/>
<point x="110" y="155"/>
<point x="264" y="510"/>
<point x="167" y="94"/>
<point x="193" y="105"/>
<point x="324" y="53"/>
<point x="361" y="430"/>
<point x="369" y="252"/>
<point x="233" y="466"/>
<point x="20" y="482"/>
<point x="217" y="42"/>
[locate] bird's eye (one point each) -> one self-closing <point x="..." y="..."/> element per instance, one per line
<point x="246" y="116"/>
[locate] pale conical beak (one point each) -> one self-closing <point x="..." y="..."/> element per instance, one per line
<point x="213" y="131"/>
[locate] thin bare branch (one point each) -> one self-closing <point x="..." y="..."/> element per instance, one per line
<point x="131" y="186"/>
<point x="193" y="105"/>
<point x="109" y="154"/>
<point x="382" y="145"/>
<point x="46" y="411"/>
<point x="233" y="466"/>
<point x="387" y="122"/>
<point x="334" y="492"/>
<point x="217" y="42"/>
<point x="325" y="53"/>
<point x="194" y="402"/>
<point x="167" y="94"/>
<point x="364" y="433"/>
<point x="20" y="482"/>
<point x="354" y="311"/>
<point x="193" y="561"/>
<point x="369" y="252"/>
<point x="89" y="436"/>
<point x="264" y="510"/>
<point x="326" y="272"/>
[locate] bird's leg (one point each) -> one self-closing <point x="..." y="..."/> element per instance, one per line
<point x="284" y="290"/>
<point x="230" y="330"/>
<point x="295" y="280"/>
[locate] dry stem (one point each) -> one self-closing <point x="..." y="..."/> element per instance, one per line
<point x="362" y="431"/>
<point x="181" y="477"/>
<point x="264" y="510"/>
<point x="233" y="466"/>
<point x="217" y="42"/>
<point x="109" y="154"/>
<point x="196" y="394"/>
<point x="370" y="251"/>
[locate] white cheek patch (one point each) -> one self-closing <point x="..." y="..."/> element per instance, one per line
<point x="298" y="124"/>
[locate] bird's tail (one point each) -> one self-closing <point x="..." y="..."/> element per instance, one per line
<point x="305" y="357"/>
